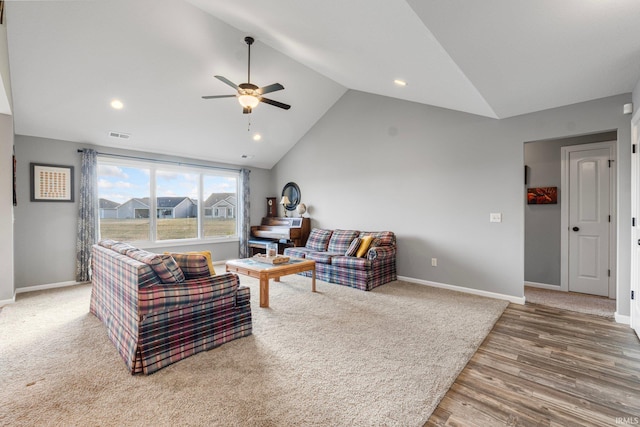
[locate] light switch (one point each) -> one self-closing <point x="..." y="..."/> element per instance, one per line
<point x="495" y="217"/>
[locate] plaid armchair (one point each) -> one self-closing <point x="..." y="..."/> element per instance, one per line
<point x="156" y="313"/>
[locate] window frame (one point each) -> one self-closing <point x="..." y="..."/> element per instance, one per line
<point x="153" y="167"/>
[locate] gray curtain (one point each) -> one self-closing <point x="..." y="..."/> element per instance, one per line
<point x="87" y="215"/>
<point x="245" y="220"/>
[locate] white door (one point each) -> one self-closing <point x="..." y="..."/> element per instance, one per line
<point x="589" y="221"/>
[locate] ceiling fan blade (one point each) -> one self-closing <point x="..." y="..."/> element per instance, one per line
<point x="227" y="81"/>
<point x="275" y="103"/>
<point x="246" y="110"/>
<point x="218" y="96"/>
<point x="271" y="88"/>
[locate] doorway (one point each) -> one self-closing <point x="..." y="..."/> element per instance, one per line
<point x="546" y="252"/>
<point x="588" y="219"/>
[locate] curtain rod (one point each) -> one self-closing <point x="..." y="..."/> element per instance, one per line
<point x="124" y="156"/>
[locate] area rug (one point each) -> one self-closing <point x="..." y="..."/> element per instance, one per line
<point x="572" y="301"/>
<point x="338" y="357"/>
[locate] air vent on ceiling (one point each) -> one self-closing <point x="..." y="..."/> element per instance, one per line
<point x="247" y="156"/>
<point x="119" y="135"/>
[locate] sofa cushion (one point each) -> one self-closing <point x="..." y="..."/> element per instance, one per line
<point x="351" y="263"/>
<point x="107" y="243"/>
<point x="353" y="247"/>
<point x="322" y="257"/>
<point x="123" y="248"/>
<point x="318" y="239"/>
<point x="297" y="252"/>
<point x="340" y="240"/>
<point x="384" y="238"/>
<point x="364" y="246"/>
<point x="163" y="265"/>
<point x="193" y="265"/>
<point x="207" y="255"/>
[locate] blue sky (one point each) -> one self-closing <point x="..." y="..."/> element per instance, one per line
<point x="119" y="184"/>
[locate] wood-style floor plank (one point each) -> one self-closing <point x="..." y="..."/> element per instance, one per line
<point x="542" y="366"/>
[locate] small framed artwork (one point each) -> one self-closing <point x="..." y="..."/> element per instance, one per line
<point x="51" y="183"/>
<point x="542" y="196"/>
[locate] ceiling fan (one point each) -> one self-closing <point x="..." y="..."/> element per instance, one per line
<point x="250" y="95"/>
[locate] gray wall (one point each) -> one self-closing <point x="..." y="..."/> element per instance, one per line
<point x="636" y="96"/>
<point x="433" y="176"/>
<point x="4" y="68"/>
<point x="45" y="232"/>
<point x="6" y="177"/>
<point x="6" y="208"/>
<point x="542" y="222"/>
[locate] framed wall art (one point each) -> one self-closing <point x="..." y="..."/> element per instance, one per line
<point x="51" y="183"/>
<point x="542" y="196"/>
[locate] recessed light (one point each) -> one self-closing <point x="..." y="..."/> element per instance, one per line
<point x="116" y="104"/>
<point x="400" y="82"/>
<point x="257" y="137"/>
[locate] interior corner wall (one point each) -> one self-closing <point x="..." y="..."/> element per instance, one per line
<point x="542" y="222"/>
<point x="433" y="176"/>
<point x="7" y="290"/>
<point x="45" y="233"/>
<point x="635" y="96"/>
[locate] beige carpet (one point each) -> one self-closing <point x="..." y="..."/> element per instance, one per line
<point x="340" y="357"/>
<point x="582" y="303"/>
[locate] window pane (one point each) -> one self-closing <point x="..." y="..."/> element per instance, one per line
<point x="177" y="205"/>
<point x="220" y="206"/>
<point x="124" y="202"/>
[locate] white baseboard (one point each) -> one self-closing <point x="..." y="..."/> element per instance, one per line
<point x="4" y="302"/>
<point x="48" y="286"/>
<point x="620" y="318"/>
<point x="543" y="286"/>
<point x="510" y="298"/>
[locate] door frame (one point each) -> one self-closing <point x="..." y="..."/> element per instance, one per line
<point x="635" y="230"/>
<point x="564" y="212"/>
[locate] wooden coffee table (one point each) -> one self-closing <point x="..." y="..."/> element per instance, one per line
<point x="264" y="272"/>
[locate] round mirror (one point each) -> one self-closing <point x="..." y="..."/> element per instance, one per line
<point x="292" y="191"/>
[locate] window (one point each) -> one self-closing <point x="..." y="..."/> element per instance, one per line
<point x="188" y="202"/>
<point x="124" y="202"/>
<point x="222" y="194"/>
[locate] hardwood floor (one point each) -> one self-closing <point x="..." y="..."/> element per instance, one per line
<point x="542" y="366"/>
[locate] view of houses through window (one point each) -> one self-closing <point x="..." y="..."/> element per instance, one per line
<point x="129" y="191"/>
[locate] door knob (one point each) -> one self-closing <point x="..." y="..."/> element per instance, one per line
<point x="576" y="228"/>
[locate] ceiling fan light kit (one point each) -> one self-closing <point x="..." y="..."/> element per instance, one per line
<point x="250" y="95"/>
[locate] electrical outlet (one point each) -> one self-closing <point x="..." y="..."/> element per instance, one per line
<point x="434" y="262"/>
<point x="495" y="217"/>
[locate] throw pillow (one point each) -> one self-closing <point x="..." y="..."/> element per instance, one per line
<point x="364" y="246"/>
<point x="194" y="265"/>
<point x="164" y="266"/>
<point x="168" y="270"/>
<point x="207" y="255"/>
<point x="340" y="240"/>
<point x="318" y="239"/>
<point x="353" y="247"/>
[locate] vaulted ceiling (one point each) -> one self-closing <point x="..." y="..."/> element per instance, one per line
<point x="497" y="58"/>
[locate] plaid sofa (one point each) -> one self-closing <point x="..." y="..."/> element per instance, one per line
<point x="157" y="314"/>
<point x="335" y="262"/>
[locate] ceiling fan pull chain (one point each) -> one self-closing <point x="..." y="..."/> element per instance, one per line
<point x="249" y="123"/>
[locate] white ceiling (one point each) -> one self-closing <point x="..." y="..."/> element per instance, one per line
<point x="494" y="58"/>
